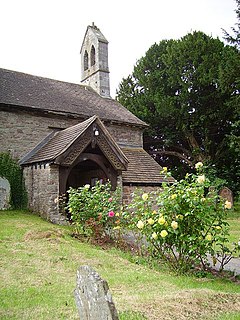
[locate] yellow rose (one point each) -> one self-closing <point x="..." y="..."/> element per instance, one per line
<point x="180" y="216"/>
<point x="150" y="221"/>
<point x="145" y="197"/>
<point x="154" y="212"/>
<point x="198" y="165"/>
<point x="228" y="205"/>
<point x="208" y="237"/>
<point x="161" y="220"/>
<point x="163" y="233"/>
<point x="154" y="236"/>
<point x="140" y="224"/>
<point x="164" y="170"/>
<point x="173" y="196"/>
<point x="201" y="179"/>
<point x="117" y="214"/>
<point x="174" y="225"/>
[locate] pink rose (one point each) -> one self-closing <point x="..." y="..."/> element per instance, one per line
<point x="111" y="214"/>
<point x="110" y="200"/>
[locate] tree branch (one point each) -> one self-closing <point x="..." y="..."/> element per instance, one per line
<point x="173" y="153"/>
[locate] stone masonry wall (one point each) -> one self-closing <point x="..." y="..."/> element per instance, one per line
<point x="128" y="191"/>
<point x="126" y="135"/>
<point x="42" y="183"/>
<point x="21" y="131"/>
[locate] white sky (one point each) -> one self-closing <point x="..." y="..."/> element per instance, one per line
<point x="43" y="37"/>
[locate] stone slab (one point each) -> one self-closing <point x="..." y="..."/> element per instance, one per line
<point x="93" y="298"/>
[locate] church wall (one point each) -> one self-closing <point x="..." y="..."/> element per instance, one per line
<point x="126" y="135"/>
<point x="21" y="131"/>
<point x="43" y="191"/>
<point x="129" y="190"/>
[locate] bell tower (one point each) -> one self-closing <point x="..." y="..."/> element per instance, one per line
<point x="94" y="61"/>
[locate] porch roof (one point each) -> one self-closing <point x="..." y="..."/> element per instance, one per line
<point x="142" y="168"/>
<point x="56" y="145"/>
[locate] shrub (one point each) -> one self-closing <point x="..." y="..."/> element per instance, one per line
<point x="94" y="211"/>
<point x="10" y="170"/>
<point x="182" y="223"/>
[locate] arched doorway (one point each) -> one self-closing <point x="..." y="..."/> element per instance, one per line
<point x="89" y="167"/>
<point x="85" y="172"/>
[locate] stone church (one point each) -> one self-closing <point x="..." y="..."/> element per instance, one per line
<point x="66" y="134"/>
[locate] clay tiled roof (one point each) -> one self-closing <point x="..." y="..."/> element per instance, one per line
<point x="54" y="146"/>
<point x="60" y="141"/>
<point x="22" y="90"/>
<point x="142" y="168"/>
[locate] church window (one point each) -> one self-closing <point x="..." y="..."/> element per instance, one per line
<point x="85" y="60"/>
<point x="93" y="56"/>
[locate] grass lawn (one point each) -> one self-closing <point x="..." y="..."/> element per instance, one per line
<point x="38" y="268"/>
<point x="233" y="218"/>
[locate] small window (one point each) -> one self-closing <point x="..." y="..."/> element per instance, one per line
<point x="93" y="56"/>
<point x="85" y="60"/>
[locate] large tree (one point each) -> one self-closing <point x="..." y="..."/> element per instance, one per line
<point x="182" y="89"/>
<point x="234" y="36"/>
<point x="233" y="139"/>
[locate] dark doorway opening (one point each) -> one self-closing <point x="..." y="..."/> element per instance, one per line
<point x="85" y="172"/>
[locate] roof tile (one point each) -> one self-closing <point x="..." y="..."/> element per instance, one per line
<point x="24" y="90"/>
<point x="142" y="168"/>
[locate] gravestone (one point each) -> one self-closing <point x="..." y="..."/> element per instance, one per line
<point x="226" y="194"/>
<point x="93" y="298"/>
<point x="4" y="194"/>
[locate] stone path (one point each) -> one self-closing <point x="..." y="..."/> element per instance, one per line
<point x="233" y="265"/>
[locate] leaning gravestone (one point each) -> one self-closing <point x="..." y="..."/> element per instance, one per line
<point x="93" y="298"/>
<point x="4" y="194"/>
<point x="226" y="194"/>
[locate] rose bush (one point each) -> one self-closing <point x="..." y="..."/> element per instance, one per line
<point x="183" y="223"/>
<point x="94" y="211"/>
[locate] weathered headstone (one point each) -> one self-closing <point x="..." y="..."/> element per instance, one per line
<point x="93" y="298"/>
<point x="226" y="194"/>
<point x="4" y="194"/>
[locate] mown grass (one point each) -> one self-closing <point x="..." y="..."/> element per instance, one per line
<point x="233" y="218"/>
<point x="38" y="268"/>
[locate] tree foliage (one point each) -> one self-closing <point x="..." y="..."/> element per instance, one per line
<point x="10" y="170"/>
<point x="186" y="91"/>
<point x="234" y="38"/>
<point x="234" y="137"/>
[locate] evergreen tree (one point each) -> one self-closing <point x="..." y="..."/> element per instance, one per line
<point x="235" y="37"/>
<point x="185" y="90"/>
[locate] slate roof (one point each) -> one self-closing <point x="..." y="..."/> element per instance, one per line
<point x="57" y="143"/>
<point x="142" y="168"/>
<point x="21" y="90"/>
<point x="54" y="146"/>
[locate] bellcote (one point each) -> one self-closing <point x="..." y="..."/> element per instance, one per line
<point x="94" y="61"/>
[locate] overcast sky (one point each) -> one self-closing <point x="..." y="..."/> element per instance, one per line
<point x="43" y="37"/>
